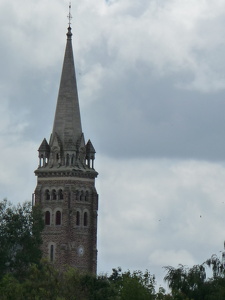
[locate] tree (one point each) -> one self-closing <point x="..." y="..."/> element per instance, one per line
<point x="20" y="237"/>
<point x="192" y="283"/>
<point x="137" y="285"/>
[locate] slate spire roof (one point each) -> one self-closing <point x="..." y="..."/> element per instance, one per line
<point x="66" y="149"/>
<point x="44" y="147"/>
<point x="67" y="122"/>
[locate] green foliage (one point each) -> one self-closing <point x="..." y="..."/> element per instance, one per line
<point x="10" y="288"/>
<point x="20" y="237"/>
<point x="43" y="281"/>
<point x="192" y="283"/>
<point x="24" y="276"/>
<point x="133" y="286"/>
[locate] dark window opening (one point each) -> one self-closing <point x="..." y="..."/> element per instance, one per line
<point x="78" y="218"/>
<point x="67" y="159"/>
<point x="58" y="218"/>
<point x="52" y="253"/>
<point x="47" y="218"/>
<point x="85" y="219"/>
<point x="86" y="198"/>
<point x="72" y="160"/>
<point x="54" y="196"/>
<point x="47" y="195"/>
<point x="60" y="195"/>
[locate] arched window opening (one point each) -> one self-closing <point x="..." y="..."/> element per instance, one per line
<point x="85" y="219"/>
<point x="41" y="160"/>
<point x="54" y="195"/>
<point x="60" y="194"/>
<point x="57" y="156"/>
<point x="81" y="196"/>
<point x="72" y="160"/>
<point x="78" y="218"/>
<point x="86" y="197"/>
<point x="67" y="160"/>
<point x="87" y="162"/>
<point x="52" y="253"/>
<point x="92" y="163"/>
<point x="58" y="218"/>
<point x="77" y="195"/>
<point x="47" y="195"/>
<point x="47" y="217"/>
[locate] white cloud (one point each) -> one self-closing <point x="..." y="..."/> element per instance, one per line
<point x="155" y="213"/>
<point x="16" y="173"/>
<point x="172" y="37"/>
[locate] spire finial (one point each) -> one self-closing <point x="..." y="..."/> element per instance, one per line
<point x="69" y="34"/>
<point x="69" y="15"/>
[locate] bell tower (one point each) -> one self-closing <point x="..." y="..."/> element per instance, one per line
<point x="66" y="181"/>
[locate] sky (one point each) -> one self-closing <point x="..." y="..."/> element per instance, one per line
<point x="151" y="82"/>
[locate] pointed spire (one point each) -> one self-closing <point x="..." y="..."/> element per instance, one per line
<point x="44" y="146"/>
<point x="66" y="148"/>
<point x="67" y="123"/>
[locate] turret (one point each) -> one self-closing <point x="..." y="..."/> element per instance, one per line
<point x="44" y="151"/>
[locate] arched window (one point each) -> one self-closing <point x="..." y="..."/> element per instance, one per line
<point x="47" y="217"/>
<point x="51" y="250"/>
<point x="72" y="160"/>
<point x="58" y="218"/>
<point x="86" y="197"/>
<point x="78" y="218"/>
<point x="47" y="195"/>
<point x="67" y="159"/>
<point x="41" y="160"/>
<point x="54" y="195"/>
<point x="81" y="195"/>
<point x="77" y="195"/>
<point x="60" y="194"/>
<point x="85" y="219"/>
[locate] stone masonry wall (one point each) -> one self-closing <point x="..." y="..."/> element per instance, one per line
<point x="73" y="243"/>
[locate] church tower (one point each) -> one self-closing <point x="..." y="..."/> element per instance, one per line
<point x="66" y="181"/>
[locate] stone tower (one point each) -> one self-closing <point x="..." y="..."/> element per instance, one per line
<point x="66" y="181"/>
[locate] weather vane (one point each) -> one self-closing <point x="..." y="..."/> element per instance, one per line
<point x="69" y="15"/>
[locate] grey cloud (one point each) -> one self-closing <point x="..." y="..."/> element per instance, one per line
<point x="152" y="118"/>
<point x="143" y="107"/>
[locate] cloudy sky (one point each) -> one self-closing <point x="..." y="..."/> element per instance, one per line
<point x="151" y="80"/>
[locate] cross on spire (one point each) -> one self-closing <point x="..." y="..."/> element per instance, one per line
<point x="69" y="15"/>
